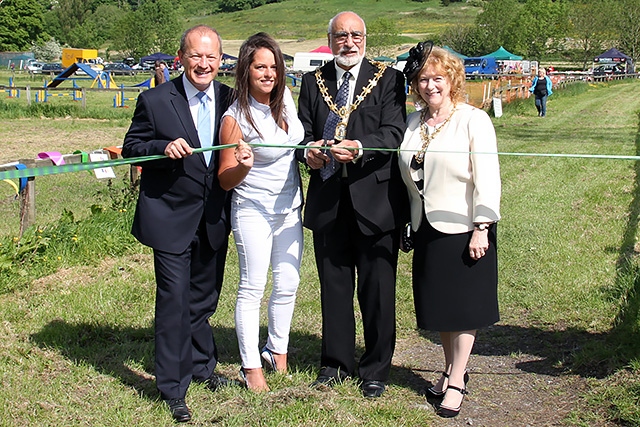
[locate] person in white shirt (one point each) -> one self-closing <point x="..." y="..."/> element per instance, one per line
<point x="266" y="202"/>
<point x="449" y="164"/>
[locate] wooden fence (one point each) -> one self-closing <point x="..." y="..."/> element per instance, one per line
<point x="27" y="194"/>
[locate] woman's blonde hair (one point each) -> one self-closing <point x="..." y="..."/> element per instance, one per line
<point x="448" y="65"/>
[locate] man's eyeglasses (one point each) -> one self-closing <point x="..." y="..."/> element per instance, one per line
<point x="342" y="36"/>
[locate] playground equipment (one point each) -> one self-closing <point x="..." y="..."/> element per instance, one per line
<point x="42" y="95"/>
<point x="119" y="98"/>
<point x="100" y="78"/>
<point x="13" y="93"/>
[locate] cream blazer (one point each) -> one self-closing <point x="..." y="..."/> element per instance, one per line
<point x="461" y="182"/>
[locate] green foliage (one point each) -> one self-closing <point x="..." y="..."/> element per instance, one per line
<point x="153" y="27"/>
<point x="47" y="51"/>
<point x="21" y="24"/>
<point x="627" y="19"/>
<point x="381" y="33"/>
<point x="43" y="249"/>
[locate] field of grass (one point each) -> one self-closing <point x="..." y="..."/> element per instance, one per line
<point x="77" y="292"/>
<point x="308" y="19"/>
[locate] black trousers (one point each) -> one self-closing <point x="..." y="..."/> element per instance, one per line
<point x="187" y="292"/>
<point x="344" y="255"/>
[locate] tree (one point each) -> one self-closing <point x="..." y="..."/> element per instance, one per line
<point x="165" y="27"/>
<point x="498" y="25"/>
<point x="381" y="33"/>
<point x="589" y="27"/>
<point x="21" y="24"/>
<point x="154" y="26"/>
<point x="628" y="26"/>
<point x="541" y="25"/>
<point x="47" y="51"/>
<point x="466" y="39"/>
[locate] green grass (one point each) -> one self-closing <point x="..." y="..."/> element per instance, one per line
<point x="308" y="19"/>
<point x="77" y="330"/>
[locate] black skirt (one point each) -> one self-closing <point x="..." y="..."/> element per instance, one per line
<point x="451" y="291"/>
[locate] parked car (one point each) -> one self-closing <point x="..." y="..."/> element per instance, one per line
<point x="34" y="67"/>
<point x="119" y="68"/>
<point x="52" y="68"/>
<point x="144" y="66"/>
<point x="608" y="69"/>
<point x="227" y="67"/>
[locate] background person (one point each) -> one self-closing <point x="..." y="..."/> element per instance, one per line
<point x="541" y="88"/>
<point x="182" y="213"/>
<point x="158" y="74"/>
<point x="355" y="210"/>
<point x="455" y="204"/>
<point x="266" y="201"/>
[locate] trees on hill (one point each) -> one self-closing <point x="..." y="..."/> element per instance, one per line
<point x="21" y="24"/>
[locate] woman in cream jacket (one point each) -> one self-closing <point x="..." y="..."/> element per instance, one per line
<point x="449" y="164"/>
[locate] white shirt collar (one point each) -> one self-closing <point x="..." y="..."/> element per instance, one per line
<point x="355" y="70"/>
<point x="191" y="91"/>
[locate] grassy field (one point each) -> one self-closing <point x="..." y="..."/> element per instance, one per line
<point x="77" y="292"/>
<point x="308" y="19"/>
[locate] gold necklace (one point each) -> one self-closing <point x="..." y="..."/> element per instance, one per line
<point x="344" y="112"/>
<point x="426" y="136"/>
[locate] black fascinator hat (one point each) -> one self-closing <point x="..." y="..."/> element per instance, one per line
<point x="417" y="57"/>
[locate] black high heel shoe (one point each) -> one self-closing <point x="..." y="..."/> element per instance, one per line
<point x="430" y="393"/>
<point x="445" y="411"/>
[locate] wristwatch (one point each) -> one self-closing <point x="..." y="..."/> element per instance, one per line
<point x="481" y="227"/>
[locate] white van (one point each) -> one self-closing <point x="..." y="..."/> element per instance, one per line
<point x="309" y="61"/>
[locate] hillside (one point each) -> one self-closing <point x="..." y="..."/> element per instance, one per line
<point x="301" y="25"/>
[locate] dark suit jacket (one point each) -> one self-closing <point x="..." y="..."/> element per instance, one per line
<point x="377" y="192"/>
<point x="174" y="194"/>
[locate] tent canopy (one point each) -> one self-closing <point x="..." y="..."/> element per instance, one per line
<point x="229" y="57"/>
<point x="158" y="56"/>
<point x="503" y="54"/>
<point x="402" y="56"/>
<point x="323" y="49"/>
<point x="459" y="55"/>
<point x="613" y="54"/>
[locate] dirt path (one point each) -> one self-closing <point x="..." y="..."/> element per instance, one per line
<point x="519" y="389"/>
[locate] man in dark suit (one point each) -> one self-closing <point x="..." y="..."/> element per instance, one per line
<point x="182" y="213"/>
<point x="356" y="209"/>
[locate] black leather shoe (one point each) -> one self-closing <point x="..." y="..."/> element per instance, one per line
<point x="445" y="411"/>
<point x="432" y="394"/>
<point x="215" y="381"/>
<point x="372" y="388"/>
<point x="328" y="377"/>
<point x="179" y="410"/>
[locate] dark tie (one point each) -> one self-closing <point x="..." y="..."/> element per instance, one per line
<point x="204" y="125"/>
<point x="330" y="126"/>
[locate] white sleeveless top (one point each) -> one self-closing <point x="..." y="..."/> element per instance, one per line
<point x="273" y="183"/>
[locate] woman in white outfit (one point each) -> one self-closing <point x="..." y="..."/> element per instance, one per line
<point x="266" y="201"/>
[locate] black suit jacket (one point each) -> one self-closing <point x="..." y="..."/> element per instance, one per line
<point x="378" y="194"/>
<point x="174" y="194"/>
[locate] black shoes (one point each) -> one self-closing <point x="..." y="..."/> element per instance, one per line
<point x="328" y="377"/>
<point x="445" y="411"/>
<point x="179" y="410"/>
<point x="430" y="393"/>
<point x="372" y="388"/>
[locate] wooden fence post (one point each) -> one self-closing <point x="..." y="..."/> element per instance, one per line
<point x="28" y="200"/>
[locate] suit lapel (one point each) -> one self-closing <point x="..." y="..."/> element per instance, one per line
<point x="181" y="106"/>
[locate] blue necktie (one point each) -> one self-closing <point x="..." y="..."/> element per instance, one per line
<point x="329" y="130"/>
<point x="204" y="125"/>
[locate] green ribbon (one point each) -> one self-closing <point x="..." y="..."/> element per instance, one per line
<point x="77" y="167"/>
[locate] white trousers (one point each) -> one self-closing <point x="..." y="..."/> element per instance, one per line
<point x="265" y="239"/>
